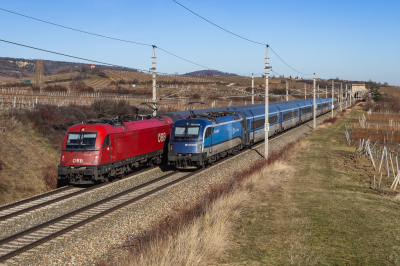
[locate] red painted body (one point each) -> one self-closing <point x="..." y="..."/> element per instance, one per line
<point x="133" y="139"/>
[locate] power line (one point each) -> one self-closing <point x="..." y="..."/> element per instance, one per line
<point x="287" y="64"/>
<point x="102" y="36"/>
<point x="71" y="56"/>
<point x="183" y="58"/>
<point x="238" y="36"/>
<point x="217" y="25"/>
<point x="69" y="28"/>
<point x="85" y="59"/>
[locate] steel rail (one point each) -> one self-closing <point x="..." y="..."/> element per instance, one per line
<point x="81" y="210"/>
<point x="43" y="204"/>
<point x="112" y="209"/>
<point x="44" y="195"/>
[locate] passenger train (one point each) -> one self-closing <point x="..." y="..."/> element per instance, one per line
<point x="201" y="139"/>
<point x="106" y="148"/>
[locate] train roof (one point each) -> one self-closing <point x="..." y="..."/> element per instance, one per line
<point x="102" y="128"/>
<point x="287" y="106"/>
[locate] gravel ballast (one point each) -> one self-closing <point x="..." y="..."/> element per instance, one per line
<point x="85" y="245"/>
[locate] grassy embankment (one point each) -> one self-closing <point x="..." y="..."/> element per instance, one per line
<point x="324" y="214"/>
<point x="27" y="161"/>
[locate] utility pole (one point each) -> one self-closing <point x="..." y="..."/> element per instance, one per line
<point x="39" y="73"/>
<point x="341" y="96"/>
<point x="333" y="94"/>
<point x="351" y="93"/>
<point x="154" y="82"/>
<point x="287" y="91"/>
<point x="318" y="91"/>
<point x="266" y="106"/>
<point x="305" y="91"/>
<point x="315" y="105"/>
<point x="326" y="91"/>
<point x="346" y="96"/>
<point x="252" y="88"/>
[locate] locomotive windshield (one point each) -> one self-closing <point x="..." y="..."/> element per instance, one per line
<point x="81" y="141"/>
<point x="186" y="133"/>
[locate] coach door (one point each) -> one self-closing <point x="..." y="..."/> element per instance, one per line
<point x="113" y="147"/>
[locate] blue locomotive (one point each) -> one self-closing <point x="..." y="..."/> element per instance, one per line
<point x="203" y="137"/>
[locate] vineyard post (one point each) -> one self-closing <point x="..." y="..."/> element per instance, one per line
<point x="266" y="106"/>
<point x="154" y="82"/>
<point x="252" y="88"/>
<point x="315" y="107"/>
<point x="333" y="94"/>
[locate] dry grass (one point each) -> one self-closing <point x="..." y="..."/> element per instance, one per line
<point x="324" y="214"/>
<point x="23" y="156"/>
<point x="201" y="234"/>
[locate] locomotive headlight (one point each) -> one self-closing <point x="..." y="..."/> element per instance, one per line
<point x="199" y="147"/>
<point x="62" y="158"/>
<point x="171" y="147"/>
<point x="96" y="157"/>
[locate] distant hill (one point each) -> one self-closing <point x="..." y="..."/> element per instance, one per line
<point x="210" y="73"/>
<point x="25" y="68"/>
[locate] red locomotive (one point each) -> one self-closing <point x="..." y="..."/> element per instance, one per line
<point x="106" y="148"/>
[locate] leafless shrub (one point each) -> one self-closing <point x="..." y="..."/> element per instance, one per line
<point x="55" y="88"/>
<point x="50" y="176"/>
<point x="330" y="120"/>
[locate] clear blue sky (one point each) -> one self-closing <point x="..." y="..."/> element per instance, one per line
<point x="357" y="40"/>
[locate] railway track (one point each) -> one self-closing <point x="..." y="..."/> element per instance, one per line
<point x="29" y="239"/>
<point x="25" y="206"/>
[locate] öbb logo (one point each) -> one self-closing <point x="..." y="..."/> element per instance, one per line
<point x="77" y="160"/>
<point x="162" y="137"/>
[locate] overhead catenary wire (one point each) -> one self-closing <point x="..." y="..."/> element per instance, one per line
<point x="104" y="36"/>
<point x="289" y="65"/>
<point x="239" y="36"/>
<point x="217" y="25"/>
<point x="85" y="59"/>
<point x="80" y="58"/>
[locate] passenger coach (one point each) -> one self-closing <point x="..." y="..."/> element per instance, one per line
<point x="199" y="140"/>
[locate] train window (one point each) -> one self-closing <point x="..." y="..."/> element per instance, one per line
<point x="81" y="141"/>
<point x="287" y="116"/>
<point x="180" y="132"/>
<point x="88" y="140"/>
<point x="208" y="132"/>
<point x="189" y="132"/>
<point x="260" y="123"/>
<point x="73" y="140"/>
<point x="192" y="132"/>
<point x="273" y="119"/>
<point x="306" y="110"/>
<point x="106" y="141"/>
<point x="296" y="113"/>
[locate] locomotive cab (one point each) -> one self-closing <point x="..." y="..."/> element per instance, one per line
<point x="81" y="154"/>
<point x="204" y="139"/>
<point x="186" y="144"/>
<point x="107" y="148"/>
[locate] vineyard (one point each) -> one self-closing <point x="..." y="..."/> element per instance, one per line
<point x="174" y="92"/>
